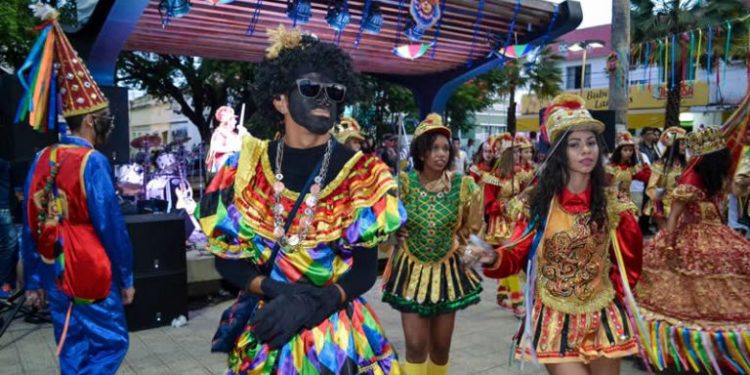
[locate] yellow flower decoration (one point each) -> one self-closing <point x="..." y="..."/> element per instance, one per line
<point x="282" y="39"/>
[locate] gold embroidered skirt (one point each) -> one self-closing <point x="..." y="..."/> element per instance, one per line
<point x="430" y="289"/>
<point x="560" y="338"/>
<point x="695" y="297"/>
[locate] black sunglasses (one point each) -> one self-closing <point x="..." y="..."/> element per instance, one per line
<point x="311" y="89"/>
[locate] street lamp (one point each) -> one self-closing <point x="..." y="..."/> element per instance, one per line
<point x="584" y="46"/>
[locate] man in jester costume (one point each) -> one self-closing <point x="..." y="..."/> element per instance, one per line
<point x="295" y="224"/>
<point x="75" y="247"/>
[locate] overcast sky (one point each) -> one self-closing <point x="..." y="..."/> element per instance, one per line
<point x="595" y="12"/>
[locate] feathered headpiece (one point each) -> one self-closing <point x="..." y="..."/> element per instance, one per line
<point x="282" y="39"/>
<point x="568" y="112"/>
<point x="56" y="73"/>
<point x="502" y="142"/>
<point x="522" y="142"/>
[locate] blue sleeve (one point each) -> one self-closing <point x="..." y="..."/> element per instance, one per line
<point x="106" y="218"/>
<point x="29" y="254"/>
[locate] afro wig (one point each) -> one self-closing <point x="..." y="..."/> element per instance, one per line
<point x="277" y="76"/>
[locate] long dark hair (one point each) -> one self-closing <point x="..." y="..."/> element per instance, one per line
<point x="554" y="178"/>
<point x="617" y="156"/>
<point x="674" y="151"/>
<point x="713" y="169"/>
<point x="422" y="145"/>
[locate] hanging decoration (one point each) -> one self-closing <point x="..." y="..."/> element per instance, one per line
<point x="515" y="51"/>
<point x="613" y="63"/>
<point x="691" y="51"/>
<point x="437" y="31"/>
<point x="254" y="19"/>
<point x="424" y="14"/>
<point x="397" y="40"/>
<point x="338" y="15"/>
<point x="726" y="49"/>
<point x="672" y="56"/>
<point x="511" y="28"/>
<point x="219" y="2"/>
<point x="698" y="54"/>
<point x="477" y="24"/>
<point x="412" y="51"/>
<point x="709" y="54"/>
<point x="169" y="9"/>
<point x="299" y="11"/>
<point x="371" y="21"/>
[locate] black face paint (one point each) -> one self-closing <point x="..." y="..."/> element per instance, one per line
<point x="301" y="108"/>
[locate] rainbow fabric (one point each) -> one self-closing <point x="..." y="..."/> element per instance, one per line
<point x="40" y="94"/>
<point x="356" y="210"/>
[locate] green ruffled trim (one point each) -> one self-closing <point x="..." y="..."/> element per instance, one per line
<point x="432" y="309"/>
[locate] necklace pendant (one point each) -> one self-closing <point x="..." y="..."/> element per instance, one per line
<point x="278" y="209"/>
<point x="278" y="232"/>
<point x="315" y="189"/>
<point x="311" y="201"/>
<point x="279" y="177"/>
<point x="293" y="240"/>
<point x="278" y="187"/>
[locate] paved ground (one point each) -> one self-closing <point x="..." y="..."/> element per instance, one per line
<point x="480" y="343"/>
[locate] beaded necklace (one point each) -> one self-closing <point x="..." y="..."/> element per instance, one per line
<point x="291" y="243"/>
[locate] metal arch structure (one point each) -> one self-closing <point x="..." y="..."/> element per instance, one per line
<point x="220" y="32"/>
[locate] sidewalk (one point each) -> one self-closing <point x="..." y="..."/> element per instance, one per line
<point x="481" y="343"/>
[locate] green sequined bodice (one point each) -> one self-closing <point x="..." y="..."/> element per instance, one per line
<point x="433" y="218"/>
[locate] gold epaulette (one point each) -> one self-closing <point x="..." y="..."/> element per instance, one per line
<point x="520" y="205"/>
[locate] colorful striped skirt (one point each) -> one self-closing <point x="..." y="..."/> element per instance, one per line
<point x="559" y="337"/>
<point x="351" y="341"/>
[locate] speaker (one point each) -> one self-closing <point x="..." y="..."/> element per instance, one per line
<point x="160" y="272"/>
<point x="18" y="142"/>
<point x="608" y="118"/>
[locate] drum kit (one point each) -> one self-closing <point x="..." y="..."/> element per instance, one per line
<point x="157" y="177"/>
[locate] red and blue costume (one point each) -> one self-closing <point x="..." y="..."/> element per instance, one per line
<point x="86" y="262"/>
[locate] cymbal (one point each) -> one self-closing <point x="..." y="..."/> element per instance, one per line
<point x="144" y="141"/>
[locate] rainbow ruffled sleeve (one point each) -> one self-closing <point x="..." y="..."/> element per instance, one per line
<point x="377" y="211"/>
<point x="220" y="219"/>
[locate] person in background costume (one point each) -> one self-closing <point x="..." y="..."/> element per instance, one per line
<point x="75" y="247"/>
<point x="511" y="176"/>
<point x="664" y="174"/>
<point x="425" y="279"/>
<point x="624" y="165"/>
<point x="576" y="320"/>
<point x="302" y="260"/>
<point x="483" y="161"/>
<point x="526" y="151"/>
<point x="226" y="139"/>
<point x="348" y="133"/>
<point x="694" y="292"/>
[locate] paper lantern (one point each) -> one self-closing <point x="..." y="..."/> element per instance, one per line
<point x="338" y="16"/>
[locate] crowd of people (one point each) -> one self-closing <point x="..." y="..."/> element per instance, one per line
<point x="296" y="223"/>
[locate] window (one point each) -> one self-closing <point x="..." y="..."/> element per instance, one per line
<point x="573" y="77"/>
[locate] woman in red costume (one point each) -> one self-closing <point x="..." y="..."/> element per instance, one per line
<point x="664" y="175"/>
<point x="526" y="153"/>
<point x="483" y="161"/>
<point x="624" y="165"/>
<point x="695" y="289"/>
<point x="577" y="296"/>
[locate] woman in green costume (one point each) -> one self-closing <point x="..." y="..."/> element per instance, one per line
<point x="425" y="278"/>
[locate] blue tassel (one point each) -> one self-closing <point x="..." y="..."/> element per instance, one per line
<point x="437" y="30"/>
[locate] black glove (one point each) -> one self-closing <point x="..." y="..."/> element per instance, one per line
<point x="282" y="318"/>
<point x="272" y="288"/>
<point x="328" y="301"/>
<point x="288" y="313"/>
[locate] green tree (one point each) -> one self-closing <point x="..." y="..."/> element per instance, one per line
<point x="16" y="32"/>
<point x="473" y="96"/>
<point x="542" y="77"/>
<point x="381" y="101"/>
<point x="199" y="86"/>
<point x="656" y="19"/>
